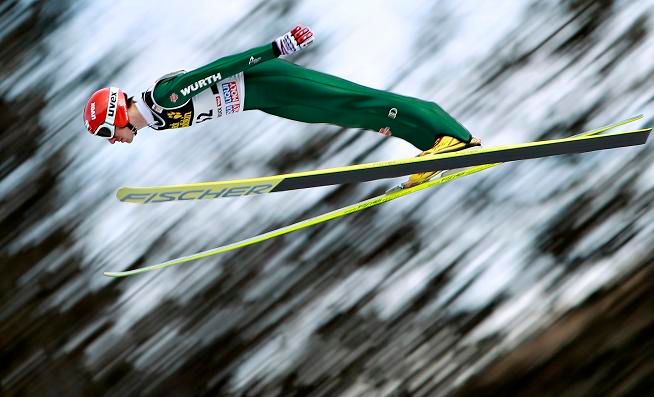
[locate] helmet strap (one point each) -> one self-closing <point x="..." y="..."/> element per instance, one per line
<point x="131" y="127"/>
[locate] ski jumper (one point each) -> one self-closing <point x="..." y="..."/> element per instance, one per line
<point x="256" y="79"/>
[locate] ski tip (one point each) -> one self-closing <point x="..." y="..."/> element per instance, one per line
<point x="116" y="274"/>
<point x="125" y="194"/>
<point x="120" y="194"/>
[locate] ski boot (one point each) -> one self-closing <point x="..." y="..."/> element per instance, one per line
<point x="444" y="144"/>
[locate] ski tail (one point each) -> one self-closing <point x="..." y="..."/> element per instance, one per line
<point x="609" y="127"/>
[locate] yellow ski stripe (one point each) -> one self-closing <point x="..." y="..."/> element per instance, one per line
<point x="322" y="218"/>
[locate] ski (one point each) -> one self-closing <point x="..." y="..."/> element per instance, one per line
<point x="444" y="177"/>
<point x="384" y="169"/>
<point x="306" y="223"/>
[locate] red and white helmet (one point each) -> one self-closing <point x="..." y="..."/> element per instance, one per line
<point x="106" y="110"/>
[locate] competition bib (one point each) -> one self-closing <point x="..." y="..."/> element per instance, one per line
<point x="223" y="98"/>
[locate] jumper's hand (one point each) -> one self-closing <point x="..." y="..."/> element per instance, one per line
<point x="295" y="40"/>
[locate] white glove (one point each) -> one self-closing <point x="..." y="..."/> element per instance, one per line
<point x="295" y="40"/>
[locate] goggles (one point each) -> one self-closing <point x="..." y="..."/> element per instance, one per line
<point x="108" y="130"/>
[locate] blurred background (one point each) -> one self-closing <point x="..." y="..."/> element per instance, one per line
<point x="534" y="278"/>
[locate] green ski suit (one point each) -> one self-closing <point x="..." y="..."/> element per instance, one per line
<point x="287" y="90"/>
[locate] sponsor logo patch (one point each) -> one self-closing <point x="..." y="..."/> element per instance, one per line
<point x="254" y="61"/>
<point x="231" y="96"/>
<point x="198" y="194"/>
<point x="205" y="82"/>
<point x="184" y="119"/>
<point x="92" y="110"/>
<point x="392" y="113"/>
<point x="219" y="106"/>
<point x="111" y="110"/>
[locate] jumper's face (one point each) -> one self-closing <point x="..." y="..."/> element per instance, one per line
<point x="122" y="134"/>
